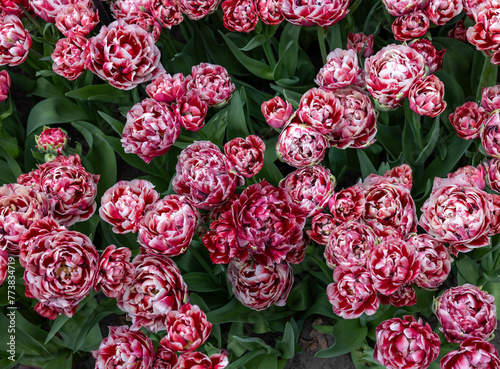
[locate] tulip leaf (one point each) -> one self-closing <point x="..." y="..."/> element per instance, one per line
<point x="286" y="346"/>
<point x="365" y="164"/>
<point x="468" y="268"/>
<point x="349" y="335"/>
<point x="102" y="92"/>
<point x="201" y="282"/>
<point x="255" y="67"/>
<point x="431" y="144"/>
<point x="236" y="122"/>
<point x="54" y="110"/>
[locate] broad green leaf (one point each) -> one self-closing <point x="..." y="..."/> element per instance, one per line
<point x="215" y="128"/>
<point x="15" y="169"/>
<point x="236" y="122"/>
<point x="349" y="335"/>
<point x="269" y="362"/>
<point x="468" y="268"/>
<point x="100" y="155"/>
<point x="132" y="159"/>
<point x="201" y="282"/>
<point x="46" y="89"/>
<point x="431" y="144"/>
<point x="286" y="346"/>
<point x="234" y="311"/>
<point x="114" y="123"/>
<point x="62" y="361"/>
<point x="10" y="145"/>
<point x="365" y="164"/>
<point x="390" y="138"/>
<point x="256" y="67"/>
<point x="238" y="364"/>
<point x="103" y="92"/>
<point x="254" y="42"/>
<point x="8" y="175"/>
<point x="54" y="110"/>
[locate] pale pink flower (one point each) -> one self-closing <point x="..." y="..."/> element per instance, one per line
<point x="347" y="204"/>
<point x="128" y="9"/>
<point x="20" y="207"/>
<point x="259" y="286"/>
<point x="148" y="23"/>
<point x="490" y="98"/>
<point x="406" y="343"/>
<point x="114" y="271"/>
<point x="197" y="9"/>
<point x="166" y="88"/>
<point x="352" y="293"/>
<point x="474" y="175"/>
<point x="474" y="353"/>
<point x="409" y="26"/>
<point x="435" y="261"/>
<point x="350" y="243"/>
<point x="466" y="311"/>
<point x="358" y="125"/>
<point x="389" y="207"/>
<point x="212" y="83"/>
<point x="468" y="120"/>
<point x="301" y="145"/>
<point x="493" y="174"/>
<point x="125" y="204"/>
<point x="191" y="111"/>
<point x="156" y="289"/>
<point x="4" y="85"/>
<point x="168" y="226"/>
<point x="15" y="41"/>
<point x="442" y="11"/>
<point x="401" y="7"/>
<point x="484" y="34"/>
<point x="52" y="140"/>
<point x="322" y="226"/>
<point x="239" y="15"/>
<point x="77" y="18"/>
<point x="490" y="135"/>
<point x="110" y="56"/>
<point x="198" y="360"/>
<point x="391" y="72"/>
<point x="426" y="96"/>
<point x="247" y="155"/>
<point x="392" y="264"/>
<point x="151" y="130"/>
<point x="320" y="109"/>
<point x="276" y="111"/>
<point x="323" y="13"/>
<point x="68" y="56"/>
<point x="61" y="268"/>
<point x="269" y="11"/>
<point x="205" y="175"/>
<point x="48" y="9"/>
<point x="310" y="188"/>
<point x="124" y="348"/>
<point x="341" y="69"/>
<point x="167" y="12"/>
<point x="458" y="213"/>
<point x="187" y="329"/>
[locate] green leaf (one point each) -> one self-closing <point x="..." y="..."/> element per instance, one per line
<point x="390" y="138"/>
<point x="104" y="92"/>
<point x="286" y="345"/>
<point x="349" y="335"/>
<point x="431" y="144"/>
<point x="132" y="159"/>
<point x="254" y="42"/>
<point x="234" y="311"/>
<point x="236" y="123"/>
<point x="54" y="110"/>
<point x="114" y="123"/>
<point x="255" y="67"/>
<point x="269" y="362"/>
<point x="215" y="129"/>
<point x="468" y="268"/>
<point x="100" y="155"/>
<point x="365" y="164"/>
<point x="201" y="282"/>
<point x="238" y="364"/>
<point x="14" y="167"/>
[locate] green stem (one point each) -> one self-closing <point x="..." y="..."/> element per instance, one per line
<point x="32" y="20"/>
<point x="321" y="40"/>
<point x="269" y="53"/>
<point x="414" y="120"/>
